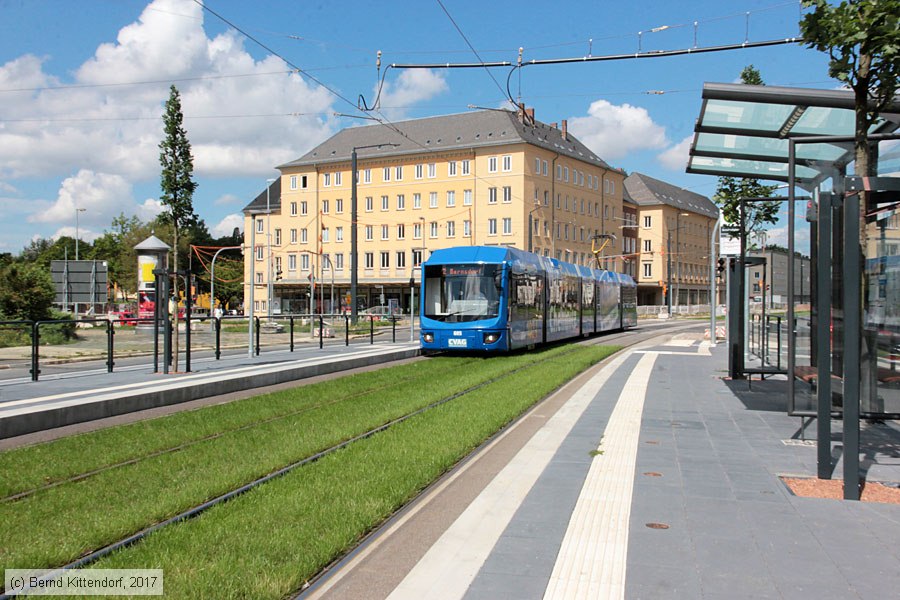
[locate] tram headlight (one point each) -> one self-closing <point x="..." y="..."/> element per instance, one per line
<point x="491" y="337"/>
<point x="428" y="337"/>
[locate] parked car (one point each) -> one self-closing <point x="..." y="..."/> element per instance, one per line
<point x="122" y="317"/>
<point x="380" y="313"/>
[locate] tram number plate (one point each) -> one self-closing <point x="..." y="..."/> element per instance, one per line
<point x="457" y="342"/>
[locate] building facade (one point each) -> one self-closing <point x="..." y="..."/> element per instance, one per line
<point x="490" y="177"/>
<point x="674" y="232"/>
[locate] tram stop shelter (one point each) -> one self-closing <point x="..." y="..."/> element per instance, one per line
<point x="843" y="348"/>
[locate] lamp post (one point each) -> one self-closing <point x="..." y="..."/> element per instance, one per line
<point x="77" y="237"/>
<point x="269" y="295"/>
<point x="354" y="250"/>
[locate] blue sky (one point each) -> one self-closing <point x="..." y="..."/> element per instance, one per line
<point x="82" y="88"/>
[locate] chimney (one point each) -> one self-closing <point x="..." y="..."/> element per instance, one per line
<point x="553" y="124"/>
<point x="564" y="127"/>
<point x="530" y="113"/>
<point x="521" y="112"/>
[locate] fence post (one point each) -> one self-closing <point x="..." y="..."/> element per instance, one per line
<point x="393" y="330"/>
<point x="778" y="342"/>
<point x="256" y="322"/>
<point x="371" y="330"/>
<point x="291" y="319"/>
<point x="321" y="325"/>
<point x="346" y="329"/>
<point x="110" y="333"/>
<point x="35" y="345"/>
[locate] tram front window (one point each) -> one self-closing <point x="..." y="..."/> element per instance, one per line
<point x="457" y="293"/>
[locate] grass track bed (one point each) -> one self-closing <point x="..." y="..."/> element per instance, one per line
<point x="56" y="525"/>
<point x="268" y="542"/>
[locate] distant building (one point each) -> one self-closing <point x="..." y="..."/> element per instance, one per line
<point x="674" y="235"/>
<point x="490" y="177"/>
<point x="772" y="277"/>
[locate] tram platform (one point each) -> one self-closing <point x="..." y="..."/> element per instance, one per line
<point x="651" y="476"/>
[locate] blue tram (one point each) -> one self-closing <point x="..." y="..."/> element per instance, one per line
<point x="495" y="298"/>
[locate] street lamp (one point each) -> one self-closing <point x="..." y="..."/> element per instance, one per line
<point x="354" y="252"/>
<point x="269" y="296"/>
<point x="77" y="210"/>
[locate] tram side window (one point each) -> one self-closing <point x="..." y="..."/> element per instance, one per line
<point x="525" y="294"/>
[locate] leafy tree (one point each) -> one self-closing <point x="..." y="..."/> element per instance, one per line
<point x="177" y="181"/>
<point x="862" y="39"/>
<point x="26" y="292"/>
<point x="116" y="247"/>
<point x="730" y="190"/>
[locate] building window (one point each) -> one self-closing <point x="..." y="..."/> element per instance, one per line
<point x="451" y="229"/>
<point x="367" y="176"/>
<point x="398" y="173"/>
<point x="293" y="209"/>
<point x="260" y="226"/>
<point x="546" y="198"/>
<point x="418" y="171"/>
<point x="432" y="170"/>
<point x="293" y="182"/>
<point x="259" y="252"/>
<point x="369" y="233"/>
<point x="386" y="174"/>
<point x="467" y="228"/>
<point x="277" y="236"/>
<point x="465" y="167"/>
<point x="339" y="234"/>
<point x="492" y="226"/>
<point x="303" y="236"/>
<point x="417" y="258"/>
<point x="293" y="236"/>
<point x="370" y="260"/>
<point x="451" y="199"/>
<point x="451" y="168"/>
<point x="259" y="277"/>
<point x="544" y="168"/>
<point x="566" y="174"/>
<point x="369" y="203"/>
<point x="417" y="231"/>
<point x="339" y="205"/>
<point x="492" y="164"/>
<point x="292" y="262"/>
<point x="559" y="172"/>
<point x="507" y="194"/>
<point x="433" y="200"/>
<point x="648" y="246"/>
<point x="647" y="221"/>
<point x="401" y="231"/>
<point x="385" y="203"/>
<point x="385" y="260"/>
<point x="304" y="208"/>
<point x="648" y="269"/>
<point x="325" y="235"/>
<point x="507" y="226"/>
<point x="326" y="179"/>
<point x="338" y="178"/>
<point x="434" y="229"/>
<point x="401" y="259"/>
<point x="384" y="232"/>
<point x="537" y="165"/>
<point x="324" y="207"/>
<point x="326" y="261"/>
<point x="467" y="197"/>
<point x="339" y="262"/>
<point x="304" y="262"/>
<point x="492" y="195"/>
<point x="417" y="200"/>
<point x="507" y="163"/>
<point x="401" y="202"/>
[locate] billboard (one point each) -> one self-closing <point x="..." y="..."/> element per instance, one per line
<point x="79" y="281"/>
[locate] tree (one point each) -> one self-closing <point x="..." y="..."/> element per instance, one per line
<point x="177" y="181"/>
<point x="862" y="39"/>
<point x="26" y="292"/>
<point x="730" y="190"/>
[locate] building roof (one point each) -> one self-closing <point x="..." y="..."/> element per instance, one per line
<point x="647" y="191"/>
<point x="462" y="131"/>
<point x="153" y="244"/>
<point x="272" y="199"/>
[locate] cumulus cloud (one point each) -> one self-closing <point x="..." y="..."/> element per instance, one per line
<point x="415" y="85"/>
<point x="117" y="128"/>
<point x="676" y="157"/>
<point x="612" y="131"/>
<point x="226" y="226"/>
<point x="102" y="196"/>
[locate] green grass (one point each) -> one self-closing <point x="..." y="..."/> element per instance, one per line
<point x="270" y="541"/>
<point x="55" y="525"/>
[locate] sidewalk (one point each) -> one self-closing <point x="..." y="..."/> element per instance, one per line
<point x="654" y="479"/>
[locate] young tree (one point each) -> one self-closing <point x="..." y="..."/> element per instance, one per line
<point x="730" y="190"/>
<point x="26" y="292"/>
<point x="177" y="182"/>
<point x="862" y="39"/>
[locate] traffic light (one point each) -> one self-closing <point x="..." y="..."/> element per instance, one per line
<point x="721" y="265"/>
<point x="278" y="275"/>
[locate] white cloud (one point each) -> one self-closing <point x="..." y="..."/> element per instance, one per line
<point x="612" y="131"/>
<point x="412" y="86"/>
<point x="676" y="157"/>
<point x="226" y="226"/>
<point x="102" y="196"/>
<point x="228" y="199"/>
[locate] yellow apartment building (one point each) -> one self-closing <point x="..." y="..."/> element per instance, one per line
<point x="674" y="228"/>
<point x="490" y="177"/>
